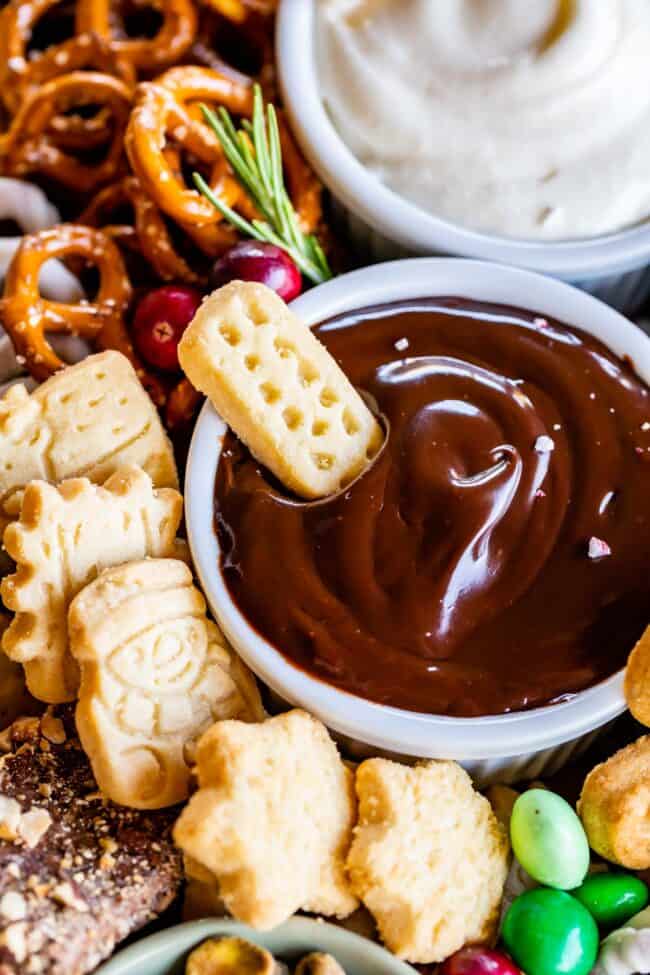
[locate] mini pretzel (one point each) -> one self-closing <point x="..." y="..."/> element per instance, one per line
<point x="146" y="54"/>
<point x="215" y="32"/>
<point x="103" y="206"/>
<point x="161" y="109"/>
<point x="17" y="21"/>
<point x="27" y="316"/>
<point x="85" y="51"/>
<point x="150" y="234"/>
<point x="165" y="108"/>
<point x="22" y="77"/>
<point x="29" y="207"/>
<point x="29" y="147"/>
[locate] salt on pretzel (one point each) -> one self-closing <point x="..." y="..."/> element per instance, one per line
<point x="146" y="54"/>
<point x="166" y="108"/>
<point x="29" y="146"/>
<point x="28" y="317"/>
<point x="149" y="233"/>
<point x="82" y="52"/>
<point x="21" y="76"/>
<point x="161" y="110"/>
<point x="17" y="22"/>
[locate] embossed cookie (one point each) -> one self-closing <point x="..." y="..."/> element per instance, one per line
<point x="272" y="819"/>
<point x="64" y="537"/>
<point x="155" y="673"/>
<point x="86" y="421"/>
<point x="279" y="389"/>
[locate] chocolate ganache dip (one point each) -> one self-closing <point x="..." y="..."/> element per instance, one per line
<point x="496" y="555"/>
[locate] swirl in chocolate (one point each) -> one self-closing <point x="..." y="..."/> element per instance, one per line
<point x="496" y="556"/>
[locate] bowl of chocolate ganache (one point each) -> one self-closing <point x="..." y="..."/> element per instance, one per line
<point x="475" y="593"/>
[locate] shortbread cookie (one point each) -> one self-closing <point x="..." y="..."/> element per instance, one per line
<point x="15" y="699"/>
<point x="86" y="421"/>
<point x="279" y="389"/>
<point x="272" y="819"/>
<point x="637" y="680"/>
<point x="155" y="674"/>
<point x="64" y="537"/>
<point x="78" y="874"/>
<point x="614" y="806"/>
<point x="429" y="858"/>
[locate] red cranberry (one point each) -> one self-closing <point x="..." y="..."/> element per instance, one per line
<point x="476" y="960"/>
<point x="160" y="319"/>
<point x="253" y="261"/>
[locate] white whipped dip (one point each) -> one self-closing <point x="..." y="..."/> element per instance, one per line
<point x="527" y="118"/>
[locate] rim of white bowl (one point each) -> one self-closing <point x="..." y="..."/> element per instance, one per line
<point x="383" y="727"/>
<point x="396" y="218"/>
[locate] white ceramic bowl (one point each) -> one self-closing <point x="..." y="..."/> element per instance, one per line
<point x="384" y="225"/>
<point x="503" y="747"/>
<point x="165" y="953"/>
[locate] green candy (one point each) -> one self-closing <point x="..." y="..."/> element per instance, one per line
<point x="612" y="898"/>
<point x="548" y="839"/>
<point x="549" y="932"/>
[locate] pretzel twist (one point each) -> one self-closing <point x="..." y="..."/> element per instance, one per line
<point x="81" y="52"/>
<point x="28" y="146"/>
<point x="17" y="22"/>
<point x="161" y="110"/>
<point x="147" y="54"/>
<point x="150" y="235"/>
<point x="28" y="318"/>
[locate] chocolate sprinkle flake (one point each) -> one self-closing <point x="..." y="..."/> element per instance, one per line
<point x="99" y="871"/>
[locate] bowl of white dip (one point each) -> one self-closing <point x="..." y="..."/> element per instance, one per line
<point x="494" y="129"/>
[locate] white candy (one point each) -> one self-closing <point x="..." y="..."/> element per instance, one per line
<point x="626" y="951"/>
<point x="517" y="882"/>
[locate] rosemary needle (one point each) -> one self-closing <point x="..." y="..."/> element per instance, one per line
<point x="255" y="155"/>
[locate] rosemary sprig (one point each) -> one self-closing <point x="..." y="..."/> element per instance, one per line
<point x="255" y="155"/>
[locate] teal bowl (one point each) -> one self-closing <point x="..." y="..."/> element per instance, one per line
<point x="165" y="953"/>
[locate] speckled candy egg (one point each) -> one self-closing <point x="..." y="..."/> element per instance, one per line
<point x="548" y="839"/>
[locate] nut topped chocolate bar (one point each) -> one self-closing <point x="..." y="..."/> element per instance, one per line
<point x="77" y="873"/>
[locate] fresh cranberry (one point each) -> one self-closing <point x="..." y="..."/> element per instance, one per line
<point x="253" y="261"/>
<point x="159" y="321"/>
<point x="476" y="960"/>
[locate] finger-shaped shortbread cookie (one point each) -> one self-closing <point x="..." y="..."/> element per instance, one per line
<point x="279" y="389"/>
<point x="155" y="673"/>
<point x="85" y="421"/>
<point x="64" y="537"/>
<point x="637" y="680"/>
<point x="272" y="819"/>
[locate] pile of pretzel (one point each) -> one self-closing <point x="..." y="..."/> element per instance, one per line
<point x="112" y="122"/>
